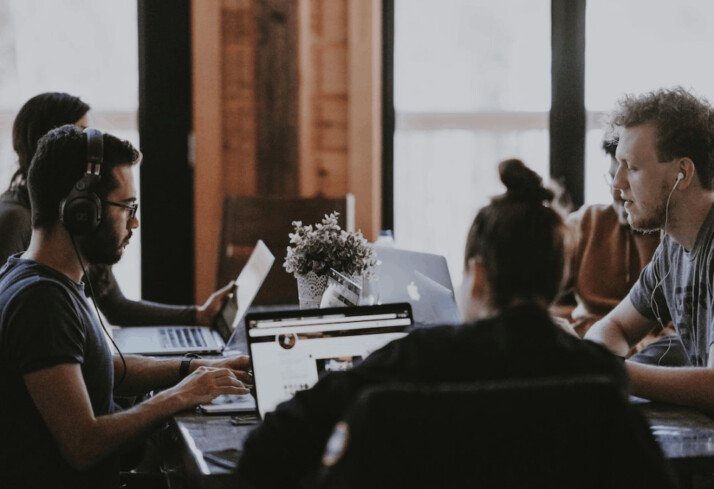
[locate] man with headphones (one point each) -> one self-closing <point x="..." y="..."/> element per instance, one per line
<point x="58" y="377"/>
<point x="665" y="176"/>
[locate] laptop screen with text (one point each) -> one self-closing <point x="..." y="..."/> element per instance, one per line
<point x="291" y="350"/>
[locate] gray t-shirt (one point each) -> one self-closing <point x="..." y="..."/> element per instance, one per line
<point x="677" y="285"/>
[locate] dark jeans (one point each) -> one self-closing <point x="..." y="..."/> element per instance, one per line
<point x="666" y="351"/>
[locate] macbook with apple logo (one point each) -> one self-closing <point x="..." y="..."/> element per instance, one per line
<point x="421" y="279"/>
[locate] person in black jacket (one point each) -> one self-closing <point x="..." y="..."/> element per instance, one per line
<point x="513" y="271"/>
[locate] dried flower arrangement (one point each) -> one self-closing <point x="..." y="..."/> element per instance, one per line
<point x="326" y="245"/>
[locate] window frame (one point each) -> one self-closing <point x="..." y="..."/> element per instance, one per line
<point x="566" y="120"/>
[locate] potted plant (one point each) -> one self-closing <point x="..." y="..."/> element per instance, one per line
<point x="314" y="250"/>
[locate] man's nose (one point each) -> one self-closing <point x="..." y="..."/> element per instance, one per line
<point x="619" y="181"/>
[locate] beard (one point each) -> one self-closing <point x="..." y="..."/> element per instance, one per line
<point x="656" y="220"/>
<point x="103" y="246"/>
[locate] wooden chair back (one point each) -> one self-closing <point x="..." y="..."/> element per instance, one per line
<point x="247" y="219"/>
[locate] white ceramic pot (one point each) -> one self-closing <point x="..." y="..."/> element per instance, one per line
<point x="310" y="289"/>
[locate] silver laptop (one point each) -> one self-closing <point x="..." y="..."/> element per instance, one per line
<point x="178" y="340"/>
<point x="422" y="279"/>
<point x="291" y="350"/>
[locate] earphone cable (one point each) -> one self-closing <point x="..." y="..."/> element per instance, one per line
<point x="94" y="302"/>
<point x="653" y="304"/>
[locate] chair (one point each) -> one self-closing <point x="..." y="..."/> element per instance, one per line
<point x="554" y="433"/>
<point x="247" y="219"/>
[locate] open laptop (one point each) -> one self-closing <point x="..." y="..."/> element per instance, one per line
<point x="178" y="340"/>
<point x="422" y="279"/>
<point x="291" y="350"/>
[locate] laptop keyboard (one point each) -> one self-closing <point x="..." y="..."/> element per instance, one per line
<point x="183" y="337"/>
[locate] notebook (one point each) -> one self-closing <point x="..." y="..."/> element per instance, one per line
<point x="422" y="279"/>
<point x="178" y="340"/>
<point x="291" y="350"/>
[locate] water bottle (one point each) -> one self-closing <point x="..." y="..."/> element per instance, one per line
<point x="385" y="238"/>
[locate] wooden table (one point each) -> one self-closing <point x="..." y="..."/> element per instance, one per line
<point x="685" y="435"/>
<point x="687" y="440"/>
<point x="186" y="442"/>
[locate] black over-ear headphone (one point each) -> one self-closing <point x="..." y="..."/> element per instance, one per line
<point x="81" y="210"/>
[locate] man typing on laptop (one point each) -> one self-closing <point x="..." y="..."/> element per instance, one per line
<point x="58" y="420"/>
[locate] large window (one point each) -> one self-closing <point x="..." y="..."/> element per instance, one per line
<point x="86" y="48"/>
<point x="635" y="47"/>
<point x="471" y="88"/>
<point x="472" y="85"/>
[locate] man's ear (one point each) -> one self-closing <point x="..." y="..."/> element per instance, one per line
<point x="687" y="172"/>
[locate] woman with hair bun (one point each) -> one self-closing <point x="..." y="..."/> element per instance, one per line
<point x="516" y="246"/>
<point x="513" y="269"/>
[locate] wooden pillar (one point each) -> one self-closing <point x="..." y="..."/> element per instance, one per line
<point x="208" y="140"/>
<point x="364" y="170"/>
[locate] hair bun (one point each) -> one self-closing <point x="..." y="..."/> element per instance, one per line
<point x="522" y="183"/>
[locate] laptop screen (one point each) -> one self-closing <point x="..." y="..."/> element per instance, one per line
<point x="422" y="279"/>
<point x="248" y="283"/>
<point x="291" y="350"/>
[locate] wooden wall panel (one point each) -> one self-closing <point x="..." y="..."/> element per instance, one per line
<point x="324" y="105"/>
<point x="276" y="85"/>
<point x="364" y="169"/>
<point x="284" y="103"/>
<point x="238" y="100"/>
<point x="208" y="141"/>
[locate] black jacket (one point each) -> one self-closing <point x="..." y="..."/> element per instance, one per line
<point x="520" y="343"/>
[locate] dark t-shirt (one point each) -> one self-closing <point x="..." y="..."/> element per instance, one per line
<point x="520" y="343"/>
<point x="45" y="321"/>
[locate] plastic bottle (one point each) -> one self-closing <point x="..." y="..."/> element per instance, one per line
<point x="385" y="238"/>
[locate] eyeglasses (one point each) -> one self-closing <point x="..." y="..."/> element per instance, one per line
<point x="132" y="208"/>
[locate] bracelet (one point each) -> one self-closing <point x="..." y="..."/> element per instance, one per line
<point x="186" y="364"/>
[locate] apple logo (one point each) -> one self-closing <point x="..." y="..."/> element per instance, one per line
<point x="413" y="291"/>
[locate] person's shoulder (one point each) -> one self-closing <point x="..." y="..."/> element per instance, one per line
<point x="430" y="338"/>
<point x="595" y="213"/>
<point x="16" y="197"/>
<point x="430" y="333"/>
<point x="14" y="206"/>
<point x="25" y="277"/>
<point x="38" y="290"/>
<point x="19" y="304"/>
<point x="707" y="228"/>
<point x="15" y="217"/>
